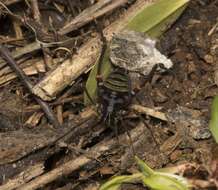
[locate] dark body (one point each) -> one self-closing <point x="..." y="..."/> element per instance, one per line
<point x="114" y="95"/>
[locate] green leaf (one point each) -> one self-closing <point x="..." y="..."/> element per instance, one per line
<point x="213" y="125"/>
<point x="163" y="181"/>
<point x="150" y="178"/>
<point x="144" y="168"/>
<point x="91" y="84"/>
<point x="116" y="182"/>
<point x="160" y="180"/>
<point x="152" y="20"/>
<point x="158" y="17"/>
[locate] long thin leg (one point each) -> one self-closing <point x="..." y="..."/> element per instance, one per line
<point x="151" y="132"/>
<point x="130" y="139"/>
<point x="115" y="128"/>
<point x="169" y="71"/>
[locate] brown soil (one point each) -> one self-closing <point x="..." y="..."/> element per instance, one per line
<point x="191" y="43"/>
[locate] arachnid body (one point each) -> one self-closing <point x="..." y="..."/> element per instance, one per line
<point x="131" y="52"/>
<point x="132" y="55"/>
<point x="114" y="94"/>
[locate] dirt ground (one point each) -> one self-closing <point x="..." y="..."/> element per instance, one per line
<point x="184" y="93"/>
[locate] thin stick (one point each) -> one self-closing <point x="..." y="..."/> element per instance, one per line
<point x="149" y="111"/>
<point x="28" y="174"/>
<point x="77" y="98"/>
<point x="88" y="15"/>
<point x="27" y="83"/>
<point x="72" y="165"/>
<point x="35" y="10"/>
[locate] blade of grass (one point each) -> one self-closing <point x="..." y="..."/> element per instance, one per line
<point x="160" y="180"/>
<point x="213" y="125"/>
<point x="163" y="181"/>
<point x="116" y="182"/>
<point x="156" y="18"/>
<point x="147" y="171"/>
<point x="91" y="84"/>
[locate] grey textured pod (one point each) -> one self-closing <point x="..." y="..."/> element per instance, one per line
<point x="136" y="52"/>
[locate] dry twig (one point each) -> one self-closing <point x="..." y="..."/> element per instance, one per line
<point x="27" y="83"/>
<point x="24" y="177"/>
<point x="91" y="13"/>
<point x="72" y="165"/>
<point x="149" y="111"/>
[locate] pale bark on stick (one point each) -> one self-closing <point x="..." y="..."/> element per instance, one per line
<point x="35" y="10"/>
<point x="91" y="13"/>
<point x="37" y="68"/>
<point x="93" y="187"/>
<point x="22" y="51"/>
<point x="77" y="163"/>
<point x="37" y="63"/>
<point x="10" y="2"/>
<point x="29" y="48"/>
<point x="149" y="111"/>
<point x="24" y="177"/>
<point x="68" y="71"/>
<point x="22" y="64"/>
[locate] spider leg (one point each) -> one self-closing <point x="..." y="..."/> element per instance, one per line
<point x="113" y="126"/>
<point x="169" y="71"/>
<point x="151" y="132"/>
<point x="115" y="129"/>
<point x="130" y="138"/>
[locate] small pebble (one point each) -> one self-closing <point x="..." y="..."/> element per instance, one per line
<point x="201" y="134"/>
<point x="209" y="59"/>
<point x="176" y="155"/>
<point x="14" y="165"/>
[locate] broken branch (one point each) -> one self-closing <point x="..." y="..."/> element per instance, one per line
<point x="27" y="83"/>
